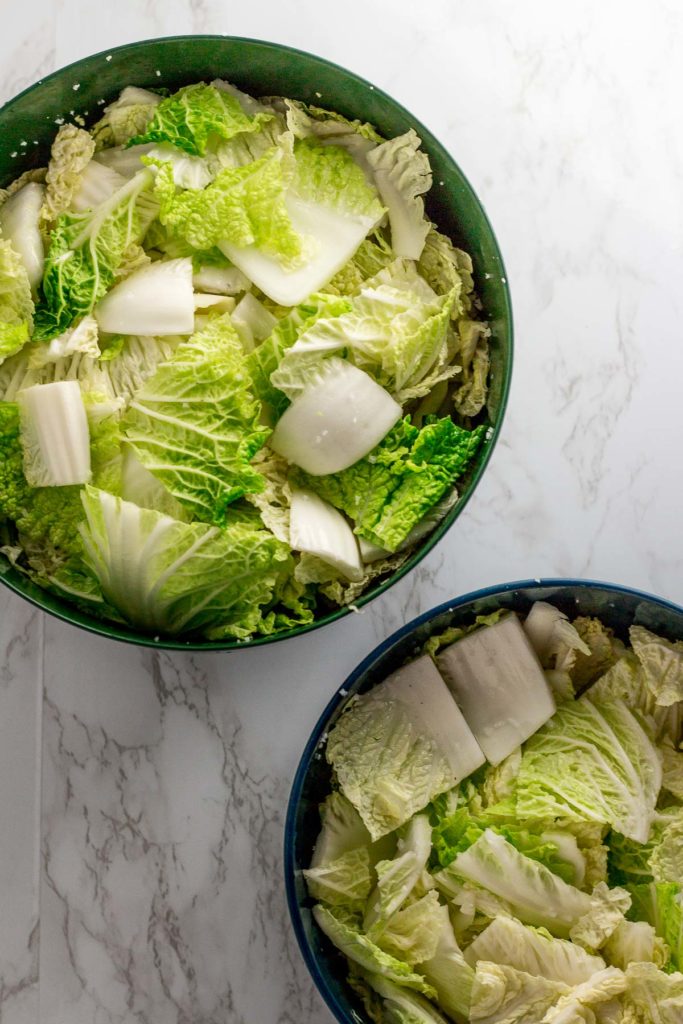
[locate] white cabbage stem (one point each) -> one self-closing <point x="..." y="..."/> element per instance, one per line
<point x="338" y="418"/>
<point x="319" y="529"/>
<point x="54" y="435"/>
<point x="19" y="224"/>
<point x="155" y="300"/>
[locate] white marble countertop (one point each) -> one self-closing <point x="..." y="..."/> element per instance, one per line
<point x="142" y="796"/>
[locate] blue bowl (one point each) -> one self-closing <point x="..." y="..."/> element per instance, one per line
<point x="263" y="68"/>
<point x="618" y="607"/>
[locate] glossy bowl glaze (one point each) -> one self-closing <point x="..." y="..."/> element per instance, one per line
<point x="27" y="127"/>
<point x="619" y="607"/>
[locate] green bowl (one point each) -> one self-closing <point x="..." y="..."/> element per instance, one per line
<point x="28" y="124"/>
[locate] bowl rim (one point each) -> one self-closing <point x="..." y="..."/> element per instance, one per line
<point x="341" y="695"/>
<point x="125" y="634"/>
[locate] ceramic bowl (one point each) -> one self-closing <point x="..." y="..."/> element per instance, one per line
<point x="27" y="127"/>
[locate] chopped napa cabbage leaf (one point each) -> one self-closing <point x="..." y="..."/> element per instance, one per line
<point x="248" y="147"/>
<point x="362" y="951"/>
<point x="569" y="853"/>
<point x="592" y="762"/>
<point x="195" y="423"/>
<point x="222" y="280"/>
<point x="401" y="1005"/>
<point x="622" y="681"/>
<point x="412" y="933"/>
<point x="252" y="321"/>
<point x="662" y="665"/>
<point x="338" y="417"/>
<point x="396" y="878"/>
<point x="125" y="160"/>
<point x="191" y="117"/>
<point x="342" y="593"/>
<point x="603" y="651"/>
<point x="372" y="255"/>
<point x="328" y="175"/>
<point x="653" y="997"/>
<point x="125" y="118"/>
<point x="553" y="637"/>
<point x="659" y="859"/>
<point x="83" y="338"/>
<point x="243" y="206"/>
<point x="534" y="951"/>
<point x="625" y="680"/>
<point x="666" y="840"/>
<point x="305" y="120"/>
<point x="342" y="830"/>
<point x="436" y="643"/>
<point x="420" y="688"/>
<point x="504" y="995"/>
<point x="447" y="269"/>
<point x="144" y="489"/>
<point x="312" y="569"/>
<point x="385" y="766"/>
<point x="97" y="184"/>
<point x="370" y="552"/>
<point x="172" y="577"/>
<point x="403" y="175"/>
<point x="317" y="528"/>
<point x="85" y="252"/>
<point x="672" y="769"/>
<point x="54" y="435"/>
<point x="579" y="1004"/>
<point x="188" y="171"/>
<point x="273" y="502"/>
<point x="157" y="299"/>
<point x="606" y="914"/>
<point x="20" y="226"/>
<point x="499" y="779"/>
<point x="471" y="906"/>
<point x="343" y="882"/>
<point x="661" y="905"/>
<point x="470" y="396"/>
<point x="36" y="175"/>
<point x="106" y="454"/>
<point x="538" y="896"/>
<point x="47" y="518"/>
<point x="14" y="489"/>
<point x="266" y="357"/>
<point x="560" y="682"/>
<point x="496" y="678"/>
<point x="206" y="306"/>
<point x="121" y="369"/>
<point x="388" y="492"/>
<point x="395" y="330"/>
<point x="635" y="942"/>
<point x="448" y="971"/>
<point x="134" y="258"/>
<point x="16" y="304"/>
<point x="71" y="152"/>
<point x="330" y="207"/>
<point x="557" y="850"/>
<point x="248" y="104"/>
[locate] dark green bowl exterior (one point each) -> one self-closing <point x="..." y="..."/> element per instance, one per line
<point x="27" y="127"/>
<point x="618" y="607"/>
